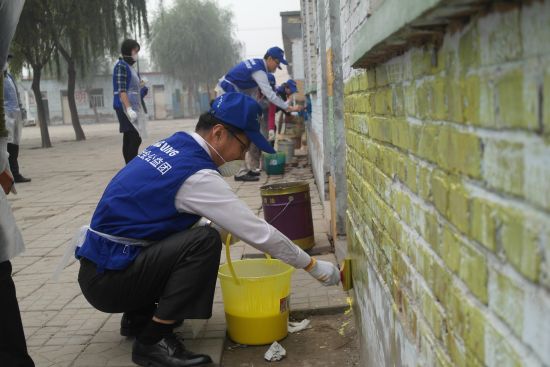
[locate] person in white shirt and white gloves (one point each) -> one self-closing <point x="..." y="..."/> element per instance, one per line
<point x="13" y="347"/>
<point x="143" y="253"/>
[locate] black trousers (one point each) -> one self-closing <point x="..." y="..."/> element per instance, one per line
<point x="13" y="150"/>
<point x="130" y="138"/>
<point x="130" y="145"/>
<point x="13" y="348"/>
<point x="178" y="272"/>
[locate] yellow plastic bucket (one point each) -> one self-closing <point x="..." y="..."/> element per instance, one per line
<point x="256" y="301"/>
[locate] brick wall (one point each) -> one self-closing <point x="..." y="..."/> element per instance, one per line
<point x="448" y="168"/>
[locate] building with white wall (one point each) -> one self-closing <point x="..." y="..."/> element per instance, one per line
<point x="167" y="99"/>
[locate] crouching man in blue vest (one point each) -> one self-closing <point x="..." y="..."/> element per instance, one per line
<point x="143" y="254"/>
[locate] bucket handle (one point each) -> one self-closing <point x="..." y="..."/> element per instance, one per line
<point x="290" y="200"/>
<point x="228" y="243"/>
<point x="228" y="258"/>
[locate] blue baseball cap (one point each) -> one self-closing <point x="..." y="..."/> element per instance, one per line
<point x="278" y="54"/>
<point x="271" y="79"/>
<point x="292" y="85"/>
<point x="242" y="112"/>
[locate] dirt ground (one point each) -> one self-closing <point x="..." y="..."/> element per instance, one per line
<point x="330" y="341"/>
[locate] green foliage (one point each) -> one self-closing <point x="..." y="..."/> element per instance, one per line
<point x="94" y="28"/>
<point x="82" y="30"/>
<point x="194" y="41"/>
<point x="32" y="42"/>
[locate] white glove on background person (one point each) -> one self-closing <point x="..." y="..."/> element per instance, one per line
<point x="271" y="135"/>
<point x="132" y="115"/>
<point x="325" y="272"/>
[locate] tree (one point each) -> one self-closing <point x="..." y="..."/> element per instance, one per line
<point x="32" y="43"/>
<point x="77" y="31"/>
<point x="99" y="66"/>
<point x="194" y="42"/>
<point x="90" y="29"/>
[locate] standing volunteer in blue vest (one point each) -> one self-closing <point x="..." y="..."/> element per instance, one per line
<point x="251" y="77"/>
<point x="145" y="252"/>
<point x="128" y="92"/>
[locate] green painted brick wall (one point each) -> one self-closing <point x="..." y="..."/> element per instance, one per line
<point x="448" y="168"/>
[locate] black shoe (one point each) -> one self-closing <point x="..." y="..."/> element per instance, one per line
<point x="134" y="324"/>
<point x="168" y="352"/>
<point x="21" y="179"/>
<point x="254" y="173"/>
<point x="247" y="177"/>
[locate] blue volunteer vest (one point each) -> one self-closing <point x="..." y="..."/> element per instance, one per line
<point x="117" y="103"/>
<point x="138" y="203"/>
<point x="241" y="74"/>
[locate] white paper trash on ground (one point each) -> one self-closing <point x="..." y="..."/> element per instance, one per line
<point x="276" y="352"/>
<point x="294" y="327"/>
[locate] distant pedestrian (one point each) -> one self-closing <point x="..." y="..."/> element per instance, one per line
<point x="128" y="92"/>
<point x="13" y="110"/>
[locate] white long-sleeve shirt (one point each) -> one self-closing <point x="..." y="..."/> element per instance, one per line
<point x="260" y="78"/>
<point x="206" y="193"/>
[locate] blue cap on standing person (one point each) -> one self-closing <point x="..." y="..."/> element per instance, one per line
<point x="277" y="53"/>
<point x="242" y="112"/>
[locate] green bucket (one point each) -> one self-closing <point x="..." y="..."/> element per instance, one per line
<point x="274" y="164"/>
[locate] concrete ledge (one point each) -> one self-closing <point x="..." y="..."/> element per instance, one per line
<point x="398" y="25"/>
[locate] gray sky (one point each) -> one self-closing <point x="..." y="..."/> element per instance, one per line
<point x="257" y="22"/>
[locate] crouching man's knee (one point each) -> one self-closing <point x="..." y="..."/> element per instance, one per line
<point x="211" y="238"/>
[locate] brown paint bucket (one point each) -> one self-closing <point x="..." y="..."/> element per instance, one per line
<point x="287" y="207"/>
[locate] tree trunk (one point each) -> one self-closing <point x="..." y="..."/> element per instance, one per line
<point x="197" y="99"/>
<point x="44" y="133"/>
<point x="208" y="91"/>
<point x="71" y="70"/>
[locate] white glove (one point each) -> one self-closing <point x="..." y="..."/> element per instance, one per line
<point x="325" y="272"/>
<point x="132" y="115"/>
<point x="271" y="135"/>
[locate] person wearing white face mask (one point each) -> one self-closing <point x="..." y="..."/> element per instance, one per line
<point x="128" y="92"/>
<point x="143" y="253"/>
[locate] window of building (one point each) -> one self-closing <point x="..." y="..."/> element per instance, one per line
<point x="96" y="98"/>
